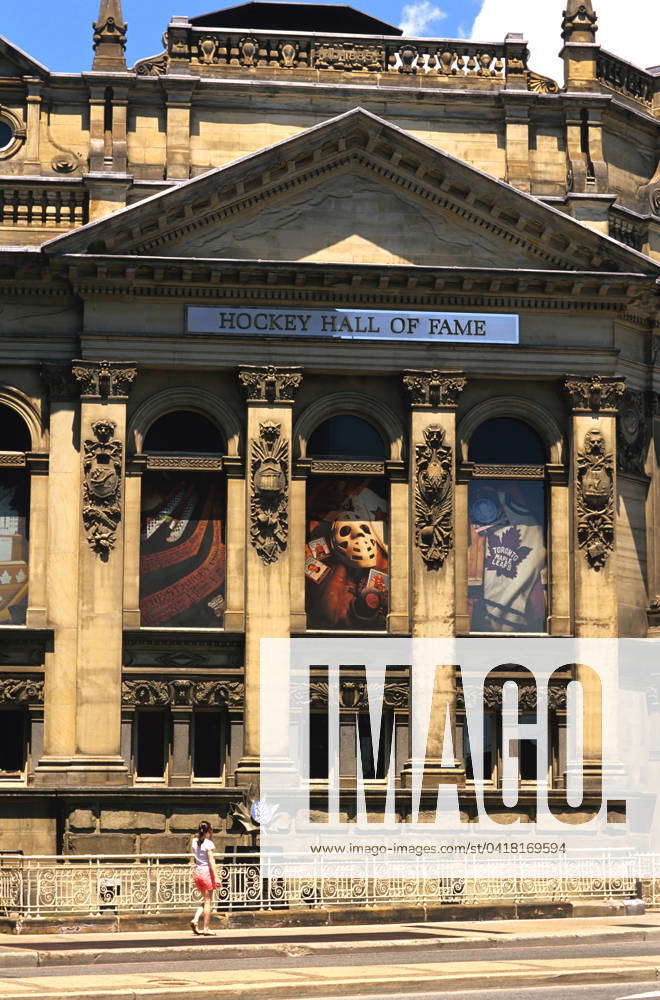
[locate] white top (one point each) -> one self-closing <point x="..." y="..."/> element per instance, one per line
<point x="201" y="852"/>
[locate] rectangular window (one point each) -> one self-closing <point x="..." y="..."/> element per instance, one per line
<point x="208" y="745"/>
<point x="13" y="750"/>
<point x="318" y="745"/>
<point x="346" y="553"/>
<point x="507" y="557"/>
<point x="14" y="516"/>
<point x="150" y="760"/>
<point x="374" y="765"/>
<point x="489" y="755"/>
<point x="182" y="550"/>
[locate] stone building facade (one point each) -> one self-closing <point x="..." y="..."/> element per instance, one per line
<point x="187" y="465"/>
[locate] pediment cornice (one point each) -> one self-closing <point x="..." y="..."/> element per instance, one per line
<point x="357" y="141"/>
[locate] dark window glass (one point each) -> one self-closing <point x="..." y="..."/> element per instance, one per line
<point x="150" y="757"/>
<point x="14" y="435"/>
<point x="6" y="134"/>
<point x="12" y="742"/>
<point x="527" y="751"/>
<point x="207" y="751"/>
<point x="318" y="745"/>
<point x="488" y="748"/>
<point x="346" y="437"/>
<point x="184" y="433"/>
<point x="372" y="766"/>
<point x="504" y="440"/>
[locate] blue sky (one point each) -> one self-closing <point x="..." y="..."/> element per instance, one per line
<point x="64" y="41"/>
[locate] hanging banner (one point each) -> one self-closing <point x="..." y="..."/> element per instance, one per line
<point x="356" y="324"/>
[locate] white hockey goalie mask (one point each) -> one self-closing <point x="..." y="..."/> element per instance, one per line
<point x="354" y="541"/>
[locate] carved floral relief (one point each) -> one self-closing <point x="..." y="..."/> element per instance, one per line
<point x="102" y="468"/>
<point x="594" y="500"/>
<point x="434" y="497"/>
<point x="269" y="481"/>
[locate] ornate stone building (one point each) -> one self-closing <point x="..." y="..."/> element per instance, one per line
<point x="307" y="328"/>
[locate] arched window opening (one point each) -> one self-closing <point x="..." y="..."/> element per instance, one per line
<point x="183" y="433"/>
<point x="14" y="517"/>
<point x="507" y="554"/>
<point x="347" y="541"/>
<point x="182" y="541"/>
<point x="348" y="437"/>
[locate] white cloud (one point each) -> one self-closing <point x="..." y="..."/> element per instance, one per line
<point x="418" y="17"/>
<point x="631" y="31"/>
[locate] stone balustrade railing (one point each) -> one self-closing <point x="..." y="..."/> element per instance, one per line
<point x="624" y="78"/>
<point x="56" y="206"/>
<point x="215" y="51"/>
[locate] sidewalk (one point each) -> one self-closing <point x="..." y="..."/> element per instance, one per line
<point x="29" y="951"/>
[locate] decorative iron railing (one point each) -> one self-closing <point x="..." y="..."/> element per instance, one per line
<point x="624" y="78"/>
<point x="443" y="62"/>
<point x="33" y="887"/>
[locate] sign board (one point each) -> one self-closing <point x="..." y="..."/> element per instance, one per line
<point x="356" y="324"/>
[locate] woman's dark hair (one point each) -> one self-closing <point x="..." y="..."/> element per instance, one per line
<point x="204" y="830"/>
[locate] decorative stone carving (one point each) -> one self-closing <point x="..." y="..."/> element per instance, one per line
<point x="527" y="697"/>
<point x="594" y="499"/>
<point x="434" y="388"/>
<point x="59" y="382"/>
<point x="347" y="468"/>
<point x="21" y="691"/>
<point x="104" y="379"/>
<point x="270" y="384"/>
<point x="598" y="394"/>
<point x="353" y="694"/>
<point x="207" y="49"/>
<point x="288" y="53"/>
<point x="349" y="56"/>
<point x="632" y="433"/>
<point x="183" y="693"/>
<point x="102" y="467"/>
<point x="110" y="37"/>
<point x="153" y="66"/>
<point x="192" y="462"/>
<point x="541" y="84"/>
<point x="269" y="482"/>
<point x="434" y="497"/>
<point x="579" y="18"/>
<point x="12" y="460"/>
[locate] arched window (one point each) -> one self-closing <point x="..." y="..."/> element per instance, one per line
<point x="14" y="517"/>
<point x="507" y="554"/>
<point x="346" y="551"/>
<point x="182" y="539"/>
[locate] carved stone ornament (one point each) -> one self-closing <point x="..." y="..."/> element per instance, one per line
<point x="21" y="691"/>
<point x="434" y="388"/>
<point x="269" y="503"/>
<point x="492" y="697"/>
<point x="104" y="379"/>
<point x="579" y="17"/>
<point x="270" y="384"/>
<point x="632" y="433"/>
<point x="595" y="394"/>
<point x="434" y="497"/>
<point x="102" y="468"/>
<point x="353" y="694"/>
<point x="594" y="500"/>
<point x="183" y="693"/>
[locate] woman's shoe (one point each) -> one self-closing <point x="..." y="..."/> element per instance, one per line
<point x="195" y="928"/>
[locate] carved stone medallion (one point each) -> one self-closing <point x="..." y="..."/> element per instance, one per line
<point x="183" y="693"/>
<point x="594" y="500"/>
<point x="434" y="497"/>
<point x="269" y="482"/>
<point x="102" y="466"/>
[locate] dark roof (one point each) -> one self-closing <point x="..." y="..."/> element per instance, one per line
<point x="326" y="18"/>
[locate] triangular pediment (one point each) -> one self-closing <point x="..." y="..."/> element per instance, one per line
<point x="16" y="63"/>
<point x="355" y="189"/>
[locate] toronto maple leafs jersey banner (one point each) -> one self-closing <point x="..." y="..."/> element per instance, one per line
<point x="14" y="508"/>
<point x="507" y="556"/>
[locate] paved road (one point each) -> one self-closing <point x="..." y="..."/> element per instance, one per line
<point x="387" y="956"/>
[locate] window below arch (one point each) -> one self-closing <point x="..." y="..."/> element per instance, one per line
<point x="348" y="437"/>
<point x="507" y="526"/>
<point x="14" y="517"/>
<point x="183" y="516"/>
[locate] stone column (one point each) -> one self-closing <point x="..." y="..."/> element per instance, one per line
<point x="63" y="506"/>
<point x="593" y="402"/>
<point x="104" y="388"/>
<point x="37" y="615"/>
<point x="270" y="394"/>
<point x="434" y="397"/>
<point x="134" y="468"/>
<point x="234" y="620"/>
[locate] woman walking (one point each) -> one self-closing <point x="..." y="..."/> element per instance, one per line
<point x="204" y="875"/>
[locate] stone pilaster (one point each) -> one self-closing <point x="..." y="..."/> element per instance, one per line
<point x="593" y="402"/>
<point x="63" y="507"/>
<point x="269" y="394"/>
<point x="434" y="398"/>
<point x="178" y="96"/>
<point x="104" y="388"/>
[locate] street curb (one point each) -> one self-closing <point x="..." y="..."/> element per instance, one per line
<point x="351" y="986"/>
<point x="215" y="949"/>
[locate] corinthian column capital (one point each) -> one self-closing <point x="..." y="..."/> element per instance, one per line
<point x="434" y="389"/>
<point x="268" y="384"/>
<point x="104" y="380"/>
<point x="594" y="393"/>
